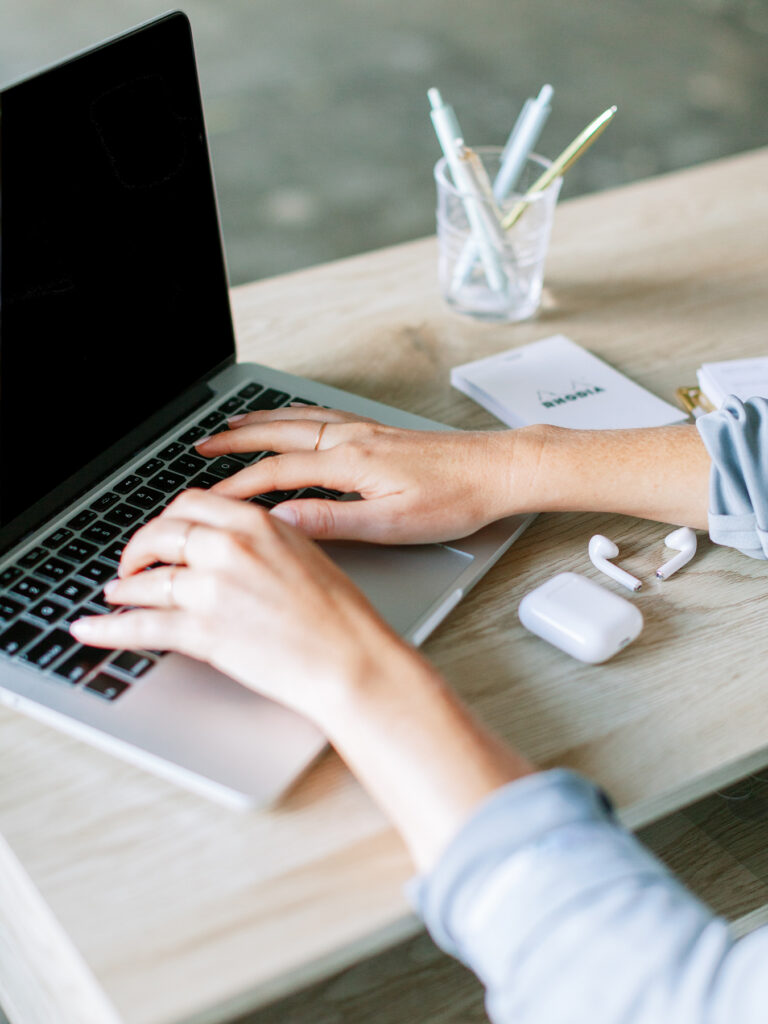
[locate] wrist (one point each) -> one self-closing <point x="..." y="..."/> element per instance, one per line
<point x="521" y="468"/>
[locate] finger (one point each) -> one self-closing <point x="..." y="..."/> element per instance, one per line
<point x="287" y="473"/>
<point x="169" y="537"/>
<point x="370" y="521"/>
<point x="158" y="588"/>
<point x="317" y="413"/>
<point x="168" y="630"/>
<point x="276" y="435"/>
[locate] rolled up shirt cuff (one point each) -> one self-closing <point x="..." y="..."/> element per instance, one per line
<point x="509" y="824"/>
<point x="736" y="437"/>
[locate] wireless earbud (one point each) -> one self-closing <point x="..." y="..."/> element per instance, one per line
<point x="600" y="550"/>
<point x="684" y="541"/>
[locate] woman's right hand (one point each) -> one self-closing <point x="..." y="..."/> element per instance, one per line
<point x="416" y="486"/>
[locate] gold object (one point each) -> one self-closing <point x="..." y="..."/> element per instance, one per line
<point x="319" y="436"/>
<point x="560" y="164"/>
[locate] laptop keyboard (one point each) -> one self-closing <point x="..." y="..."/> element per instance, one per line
<point x="62" y="577"/>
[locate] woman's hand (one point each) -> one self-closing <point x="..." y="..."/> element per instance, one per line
<point x="262" y="603"/>
<point x="417" y="486"/>
<point x="251" y="596"/>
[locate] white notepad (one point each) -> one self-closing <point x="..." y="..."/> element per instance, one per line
<point x="744" y="378"/>
<point x="557" y="381"/>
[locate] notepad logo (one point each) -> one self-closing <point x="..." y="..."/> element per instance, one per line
<point x="579" y="389"/>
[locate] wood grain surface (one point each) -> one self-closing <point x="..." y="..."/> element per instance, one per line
<point x="129" y="900"/>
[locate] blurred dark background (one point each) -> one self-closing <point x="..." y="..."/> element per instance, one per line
<point x="318" y="117"/>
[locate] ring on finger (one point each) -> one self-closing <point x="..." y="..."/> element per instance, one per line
<point x="319" y="437"/>
<point x="170" y="599"/>
<point x="181" y="557"/>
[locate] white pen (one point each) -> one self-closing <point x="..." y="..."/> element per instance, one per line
<point x="521" y="141"/>
<point x="470" y="190"/>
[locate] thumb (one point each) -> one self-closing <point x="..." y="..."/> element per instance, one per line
<point x="332" y="520"/>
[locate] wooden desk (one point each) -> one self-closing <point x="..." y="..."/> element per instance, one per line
<point x="124" y="899"/>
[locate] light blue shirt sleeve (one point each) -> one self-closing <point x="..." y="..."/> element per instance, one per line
<point x="736" y="437"/>
<point x="566" y="918"/>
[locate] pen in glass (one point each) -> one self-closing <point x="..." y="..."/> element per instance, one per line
<point x="560" y="165"/>
<point x="470" y="191"/>
<point x="521" y="141"/>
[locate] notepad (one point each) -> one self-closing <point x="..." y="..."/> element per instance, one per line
<point x="744" y="378"/>
<point x="558" y="382"/>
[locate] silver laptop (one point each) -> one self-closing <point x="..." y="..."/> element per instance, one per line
<point x="116" y="354"/>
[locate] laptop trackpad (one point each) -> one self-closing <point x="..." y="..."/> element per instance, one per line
<point x="402" y="583"/>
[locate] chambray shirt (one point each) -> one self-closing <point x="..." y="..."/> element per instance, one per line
<point x="562" y="914"/>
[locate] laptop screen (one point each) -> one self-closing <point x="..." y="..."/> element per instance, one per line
<point x="113" y="292"/>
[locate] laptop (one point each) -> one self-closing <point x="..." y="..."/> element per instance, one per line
<point x="117" y="353"/>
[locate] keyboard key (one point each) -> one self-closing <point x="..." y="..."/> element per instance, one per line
<point x="210" y="421"/>
<point x="269" y="399"/>
<point x="123" y="515"/>
<point x="80" y="663"/>
<point x="97" y="571"/>
<point x="313" y="492"/>
<point x="192" y="435"/>
<point x="260" y="499"/>
<point x="107" y="686"/>
<point x="114" y="552"/>
<point x="101" y="532"/>
<point x="130" y="532"/>
<point x="51" y="647"/>
<point x="81" y="519"/>
<point x="18" y="636"/>
<point x="277" y="496"/>
<point x="127" y="484"/>
<point x="9" y="609"/>
<point x="146" y="497"/>
<point x="231" y="405"/>
<point x="105" y="501"/>
<point x="171" y="451"/>
<point x="73" y="590"/>
<point x="32" y="557"/>
<point x="9" y="575"/>
<point x="249" y="390"/>
<point x="78" y="550"/>
<point x="132" y="663"/>
<point x="48" y="610"/>
<point x="58" y="537"/>
<point x="149" y="467"/>
<point x="204" y="480"/>
<point x="305" y="401"/>
<point x="54" y="569"/>
<point x="187" y="465"/>
<point x="30" y="588"/>
<point x="224" y="467"/>
<point x="167" y="481"/>
<point x="99" y="602"/>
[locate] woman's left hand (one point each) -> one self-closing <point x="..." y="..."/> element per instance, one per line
<point x="253" y="597"/>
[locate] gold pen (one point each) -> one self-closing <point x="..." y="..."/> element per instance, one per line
<point x="560" y="165"/>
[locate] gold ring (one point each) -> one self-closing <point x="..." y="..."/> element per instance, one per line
<point x="170" y="600"/>
<point x="319" y="436"/>
<point x="182" y="555"/>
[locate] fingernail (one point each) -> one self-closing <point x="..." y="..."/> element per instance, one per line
<point x="203" y="440"/>
<point x="109" y="587"/>
<point x="288" y="515"/>
<point x="236" y="419"/>
<point x="81" y="627"/>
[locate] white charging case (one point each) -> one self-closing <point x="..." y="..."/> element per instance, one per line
<point x="585" y="620"/>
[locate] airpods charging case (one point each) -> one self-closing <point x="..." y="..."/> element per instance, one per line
<point x="585" y="620"/>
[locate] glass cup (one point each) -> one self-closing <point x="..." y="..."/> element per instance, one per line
<point x="484" y="271"/>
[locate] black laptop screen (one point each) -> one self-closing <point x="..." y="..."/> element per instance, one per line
<point x="113" y="294"/>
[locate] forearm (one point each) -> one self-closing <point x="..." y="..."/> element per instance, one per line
<point x="420" y="753"/>
<point x="659" y="473"/>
